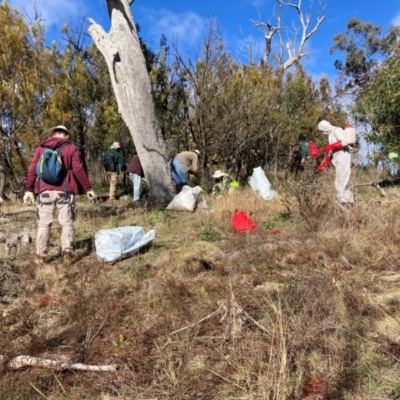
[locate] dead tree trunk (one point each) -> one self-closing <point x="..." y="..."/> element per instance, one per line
<point x="126" y="64"/>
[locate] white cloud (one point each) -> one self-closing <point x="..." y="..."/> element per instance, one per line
<point x="186" y="29"/>
<point x="396" y="20"/>
<point x="52" y="12"/>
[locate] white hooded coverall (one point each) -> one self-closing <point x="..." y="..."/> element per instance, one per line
<point x="341" y="160"/>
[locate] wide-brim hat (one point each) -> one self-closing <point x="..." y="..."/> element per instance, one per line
<point x="218" y="174"/>
<point x="59" y="128"/>
<point x="115" y="145"/>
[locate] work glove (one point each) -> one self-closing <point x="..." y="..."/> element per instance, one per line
<point x="324" y="163"/>
<point x="333" y="146"/>
<point x="91" y="195"/>
<point x="29" y="198"/>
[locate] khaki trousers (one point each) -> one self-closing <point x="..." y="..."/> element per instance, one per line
<point x="113" y="179"/>
<point x="48" y="202"/>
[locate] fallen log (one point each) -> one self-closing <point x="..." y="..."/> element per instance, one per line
<point x="373" y="184"/>
<point x="103" y="210"/>
<point x="28" y="361"/>
<point x="20" y="210"/>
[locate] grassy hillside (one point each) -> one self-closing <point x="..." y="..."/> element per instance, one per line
<point x="204" y="313"/>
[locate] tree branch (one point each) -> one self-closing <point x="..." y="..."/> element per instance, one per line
<point x="28" y="361"/>
<point x="305" y="23"/>
<point x="270" y="32"/>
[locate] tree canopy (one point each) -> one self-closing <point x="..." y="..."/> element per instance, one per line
<point x="239" y="115"/>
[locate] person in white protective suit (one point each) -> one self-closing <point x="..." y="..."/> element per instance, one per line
<point x="338" y="154"/>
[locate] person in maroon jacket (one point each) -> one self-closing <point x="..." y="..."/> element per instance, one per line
<point x="136" y="174"/>
<point x="61" y="196"/>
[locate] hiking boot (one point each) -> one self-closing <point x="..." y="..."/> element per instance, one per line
<point x="69" y="258"/>
<point x="38" y="260"/>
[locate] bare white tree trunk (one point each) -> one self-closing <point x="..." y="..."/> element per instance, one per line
<point x="295" y="53"/>
<point x="305" y="20"/>
<point x="126" y="64"/>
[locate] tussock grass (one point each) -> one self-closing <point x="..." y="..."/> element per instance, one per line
<point x="204" y="313"/>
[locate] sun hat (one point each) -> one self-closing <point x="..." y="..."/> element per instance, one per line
<point x="197" y="151"/>
<point x="302" y="137"/>
<point x="115" y="145"/>
<point x="325" y="126"/>
<point x="218" y="174"/>
<point x="59" y="128"/>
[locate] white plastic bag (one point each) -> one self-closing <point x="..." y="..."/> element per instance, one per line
<point x="115" y="243"/>
<point x="186" y="199"/>
<point x="261" y="185"/>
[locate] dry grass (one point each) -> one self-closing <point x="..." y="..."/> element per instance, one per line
<point x="205" y="313"/>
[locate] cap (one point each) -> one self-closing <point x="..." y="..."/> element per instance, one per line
<point x="115" y="145"/>
<point x="218" y="174"/>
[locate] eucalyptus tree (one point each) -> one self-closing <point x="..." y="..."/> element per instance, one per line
<point x="363" y="47"/>
<point x="203" y="80"/>
<point x="80" y="94"/>
<point x="380" y="103"/>
<point x="23" y="91"/>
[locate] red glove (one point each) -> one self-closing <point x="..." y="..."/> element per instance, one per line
<point x="324" y="163"/>
<point x="333" y="146"/>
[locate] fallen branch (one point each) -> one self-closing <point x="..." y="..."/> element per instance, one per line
<point x="346" y="263"/>
<point x="28" y="361"/>
<point x="198" y="322"/>
<point x="90" y="209"/>
<point x="373" y="184"/>
<point x="237" y="310"/>
<point x="240" y="309"/>
<point x="20" y="210"/>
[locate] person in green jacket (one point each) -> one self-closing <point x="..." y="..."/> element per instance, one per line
<point x="224" y="183"/>
<point x="308" y="162"/>
<point x="113" y="163"/>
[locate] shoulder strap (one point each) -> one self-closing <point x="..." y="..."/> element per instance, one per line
<point x="63" y="145"/>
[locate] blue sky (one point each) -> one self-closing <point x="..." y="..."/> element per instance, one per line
<point x="187" y="22"/>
